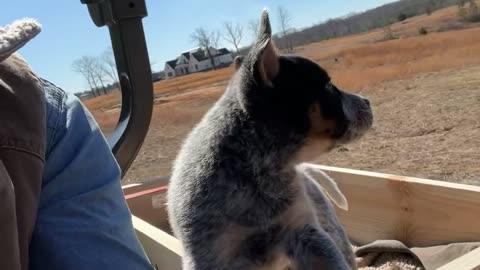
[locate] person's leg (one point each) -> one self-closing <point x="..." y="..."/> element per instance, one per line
<point x="22" y="147"/>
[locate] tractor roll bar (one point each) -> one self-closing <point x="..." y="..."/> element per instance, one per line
<point x="124" y="20"/>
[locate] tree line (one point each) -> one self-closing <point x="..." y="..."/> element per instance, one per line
<point x="101" y="75"/>
<point x="354" y="23"/>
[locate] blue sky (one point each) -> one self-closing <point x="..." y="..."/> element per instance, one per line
<point x="69" y="33"/>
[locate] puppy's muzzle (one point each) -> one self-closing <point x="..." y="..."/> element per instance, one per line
<point x="358" y="115"/>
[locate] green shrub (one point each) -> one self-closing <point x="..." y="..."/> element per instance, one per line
<point x="422" y="31"/>
<point x="402" y="17"/>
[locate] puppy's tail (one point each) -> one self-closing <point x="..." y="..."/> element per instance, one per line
<point x="324" y="182"/>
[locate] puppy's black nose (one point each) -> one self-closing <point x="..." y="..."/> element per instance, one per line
<point x="367" y="101"/>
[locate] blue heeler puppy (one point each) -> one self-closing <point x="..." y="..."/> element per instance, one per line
<point x="237" y="199"/>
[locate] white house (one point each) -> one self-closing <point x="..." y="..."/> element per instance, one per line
<point x="197" y="60"/>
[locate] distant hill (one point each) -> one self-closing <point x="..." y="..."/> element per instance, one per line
<point x="365" y="21"/>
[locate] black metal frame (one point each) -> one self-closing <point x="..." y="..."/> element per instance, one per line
<point x="124" y="20"/>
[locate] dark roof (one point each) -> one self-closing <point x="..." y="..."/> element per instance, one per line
<point x="187" y="55"/>
<point x="223" y="51"/>
<point x="200" y="55"/>
<point x="172" y="63"/>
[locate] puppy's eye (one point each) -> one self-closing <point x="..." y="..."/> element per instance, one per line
<point x="329" y="86"/>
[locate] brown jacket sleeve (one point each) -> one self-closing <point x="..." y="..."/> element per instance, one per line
<point x="22" y="147"/>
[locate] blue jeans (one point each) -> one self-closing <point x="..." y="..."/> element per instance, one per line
<point x="83" y="221"/>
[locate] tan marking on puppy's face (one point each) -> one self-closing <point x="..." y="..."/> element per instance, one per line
<point x="319" y="140"/>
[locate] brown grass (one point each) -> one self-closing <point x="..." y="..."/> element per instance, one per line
<point x="441" y="20"/>
<point x="192" y="81"/>
<point x="363" y="66"/>
<point x="385" y="60"/>
<point x="425" y="126"/>
<point x="422" y="127"/>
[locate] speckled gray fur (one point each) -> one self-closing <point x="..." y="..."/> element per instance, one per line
<point x="234" y="192"/>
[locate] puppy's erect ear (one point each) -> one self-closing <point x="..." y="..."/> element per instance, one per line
<point x="262" y="60"/>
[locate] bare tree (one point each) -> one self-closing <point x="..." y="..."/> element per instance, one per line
<point x="109" y="66"/>
<point x="93" y="71"/>
<point x="84" y="65"/>
<point x="253" y="26"/>
<point x="284" y="20"/>
<point x="215" y="38"/>
<point x="233" y="34"/>
<point x="99" y="71"/>
<point x="206" y="40"/>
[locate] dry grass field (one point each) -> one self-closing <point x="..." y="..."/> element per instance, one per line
<point x="425" y="92"/>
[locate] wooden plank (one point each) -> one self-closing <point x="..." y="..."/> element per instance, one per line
<point x="143" y="208"/>
<point x="146" y="192"/>
<point x="470" y="261"/>
<point x="126" y="187"/>
<point x="416" y="211"/>
<point x="163" y="250"/>
<point x="139" y="199"/>
<point x="137" y="187"/>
